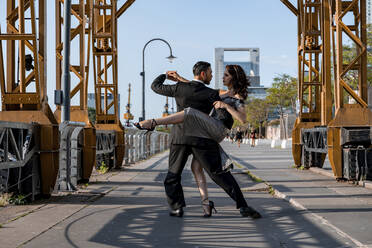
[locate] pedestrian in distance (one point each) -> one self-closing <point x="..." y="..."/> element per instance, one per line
<point x="253" y="137"/>
<point x="239" y="136"/>
<point x="198" y="133"/>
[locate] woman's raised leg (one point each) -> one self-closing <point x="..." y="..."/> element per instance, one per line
<point x="170" y="119"/>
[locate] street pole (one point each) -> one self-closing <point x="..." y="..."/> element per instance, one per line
<point x="171" y="57"/>
<point x="66" y="78"/>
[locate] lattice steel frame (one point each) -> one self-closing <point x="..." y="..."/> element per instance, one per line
<point x="81" y="11"/>
<point x="358" y="34"/>
<point x="14" y="88"/>
<point x="105" y="58"/>
<point x="314" y="68"/>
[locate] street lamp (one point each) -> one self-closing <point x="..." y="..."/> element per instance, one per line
<point x="170" y="58"/>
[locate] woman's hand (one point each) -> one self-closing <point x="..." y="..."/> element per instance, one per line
<point x="219" y="104"/>
<point x="173" y="75"/>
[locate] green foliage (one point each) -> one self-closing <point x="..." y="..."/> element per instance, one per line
<point x="18" y="199"/>
<point x="283" y="93"/>
<point x="257" y="110"/>
<point x="271" y="190"/>
<point x="103" y="168"/>
<point x="92" y="115"/>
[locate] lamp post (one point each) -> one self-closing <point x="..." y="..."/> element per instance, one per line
<point x="170" y="57"/>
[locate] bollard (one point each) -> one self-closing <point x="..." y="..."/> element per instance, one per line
<point x="136" y="146"/>
<point x="133" y="147"/>
<point x="126" y="152"/>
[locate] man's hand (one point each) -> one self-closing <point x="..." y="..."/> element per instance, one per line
<point x="219" y="104"/>
<point x="172" y="75"/>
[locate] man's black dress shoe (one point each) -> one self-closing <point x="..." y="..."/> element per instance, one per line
<point x="176" y="212"/>
<point x="248" y="211"/>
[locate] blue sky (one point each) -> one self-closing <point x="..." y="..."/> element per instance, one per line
<point x="193" y="28"/>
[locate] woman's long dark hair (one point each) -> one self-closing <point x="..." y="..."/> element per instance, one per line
<point x="239" y="80"/>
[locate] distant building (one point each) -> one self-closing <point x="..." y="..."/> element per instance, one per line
<point x="369" y="11"/>
<point x="92" y="102"/>
<point x="251" y="69"/>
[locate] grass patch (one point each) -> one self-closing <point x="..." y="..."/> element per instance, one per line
<point x="271" y="190"/>
<point x="18" y="199"/>
<point x="253" y="177"/>
<point x="103" y="168"/>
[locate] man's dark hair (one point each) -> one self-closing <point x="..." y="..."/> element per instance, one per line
<point x="199" y="67"/>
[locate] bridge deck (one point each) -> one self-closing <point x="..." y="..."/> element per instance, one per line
<point x="128" y="209"/>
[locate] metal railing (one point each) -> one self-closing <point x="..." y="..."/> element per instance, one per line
<point x="141" y="144"/>
<point x="19" y="153"/>
<point x="105" y="147"/>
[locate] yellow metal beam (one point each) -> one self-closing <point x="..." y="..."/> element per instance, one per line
<point x="126" y="5"/>
<point x="290" y="7"/>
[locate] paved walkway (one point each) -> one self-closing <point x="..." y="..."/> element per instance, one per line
<point x="128" y="209"/>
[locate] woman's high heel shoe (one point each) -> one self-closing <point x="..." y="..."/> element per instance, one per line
<point x="151" y="128"/>
<point x="207" y="208"/>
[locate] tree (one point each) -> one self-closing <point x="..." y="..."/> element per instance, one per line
<point x="283" y="93"/>
<point x="257" y="111"/>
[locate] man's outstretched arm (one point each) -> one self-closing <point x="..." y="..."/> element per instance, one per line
<point x="159" y="87"/>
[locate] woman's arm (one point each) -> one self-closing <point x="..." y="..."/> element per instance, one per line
<point x="239" y="114"/>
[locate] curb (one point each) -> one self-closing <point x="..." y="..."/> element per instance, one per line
<point x="365" y="184"/>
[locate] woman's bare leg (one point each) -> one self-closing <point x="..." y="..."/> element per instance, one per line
<point x="200" y="179"/>
<point x="170" y="119"/>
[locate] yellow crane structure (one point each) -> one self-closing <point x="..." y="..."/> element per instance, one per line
<point x="314" y="72"/>
<point x="317" y="130"/>
<point x="24" y="88"/>
<point x="105" y="60"/>
<point x="81" y="13"/>
<point x="352" y="122"/>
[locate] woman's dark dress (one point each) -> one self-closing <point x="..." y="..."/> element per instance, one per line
<point x="213" y="126"/>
